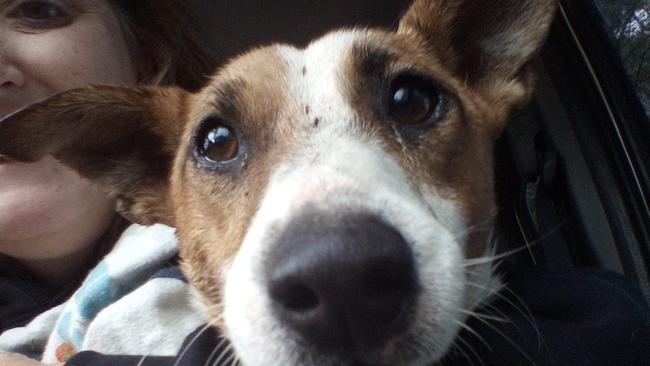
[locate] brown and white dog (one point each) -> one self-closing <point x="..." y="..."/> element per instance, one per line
<point x="333" y="203"/>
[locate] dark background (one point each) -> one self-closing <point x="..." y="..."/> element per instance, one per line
<point x="234" y="26"/>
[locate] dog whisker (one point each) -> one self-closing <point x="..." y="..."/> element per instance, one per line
<point x="457" y="347"/>
<point x="474" y="228"/>
<point x="502" y="334"/>
<point x="216" y="319"/>
<point x="484" y="316"/>
<point x="494" y="310"/>
<point x="489" y="259"/>
<point x="502" y="319"/>
<point x="471" y="349"/>
<point x="235" y="360"/>
<point x="141" y="362"/>
<point x="529" y="317"/>
<point x="228" y="351"/>
<point x="487" y="291"/>
<point x="191" y="342"/>
<point x="525" y="312"/>
<point x="214" y="352"/>
<point x="527" y="246"/>
<point x="473" y="332"/>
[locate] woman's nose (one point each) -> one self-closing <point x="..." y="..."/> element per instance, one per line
<point x="10" y="73"/>
<point x="10" y="76"/>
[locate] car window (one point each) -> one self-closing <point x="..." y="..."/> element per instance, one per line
<point x="628" y="24"/>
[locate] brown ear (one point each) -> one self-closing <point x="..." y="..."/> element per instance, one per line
<point x="482" y="41"/>
<point x="120" y="138"/>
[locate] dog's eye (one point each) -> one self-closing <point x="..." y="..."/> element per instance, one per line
<point x="217" y="142"/>
<point x="413" y="100"/>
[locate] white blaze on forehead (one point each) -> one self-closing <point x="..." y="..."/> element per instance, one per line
<point x="315" y="78"/>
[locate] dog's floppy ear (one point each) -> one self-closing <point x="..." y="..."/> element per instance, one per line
<point x="484" y="42"/>
<point x="123" y="139"/>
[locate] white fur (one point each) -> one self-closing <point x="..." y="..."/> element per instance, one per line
<point x="339" y="168"/>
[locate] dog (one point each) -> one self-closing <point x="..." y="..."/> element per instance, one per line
<point x="333" y="203"/>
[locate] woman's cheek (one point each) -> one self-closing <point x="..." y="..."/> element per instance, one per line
<point x="75" y="56"/>
<point x="45" y="200"/>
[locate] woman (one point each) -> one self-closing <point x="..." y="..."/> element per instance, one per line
<point x="54" y="226"/>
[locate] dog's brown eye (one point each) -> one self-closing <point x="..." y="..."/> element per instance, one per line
<point x="413" y="100"/>
<point x="219" y="143"/>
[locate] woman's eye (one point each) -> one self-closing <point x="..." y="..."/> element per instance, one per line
<point x="218" y="143"/>
<point x="413" y="100"/>
<point x="40" y="14"/>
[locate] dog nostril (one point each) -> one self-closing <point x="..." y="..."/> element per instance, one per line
<point x="342" y="281"/>
<point x="380" y="283"/>
<point x="292" y="295"/>
<point x="301" y="299"/>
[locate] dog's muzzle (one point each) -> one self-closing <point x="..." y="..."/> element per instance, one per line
<point x="344" y="283"/>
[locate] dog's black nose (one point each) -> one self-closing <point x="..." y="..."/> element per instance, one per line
<point x="342" y="281"/>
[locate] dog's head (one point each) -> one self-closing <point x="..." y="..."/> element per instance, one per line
<point x="329" y="200"/>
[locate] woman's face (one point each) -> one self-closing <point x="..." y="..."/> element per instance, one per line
<point x="48" y="46"/>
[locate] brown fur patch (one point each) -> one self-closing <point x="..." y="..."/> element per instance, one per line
<point x="453" y="157"/>
<point x="214" y="208"/>
<point x="479" y="39"/>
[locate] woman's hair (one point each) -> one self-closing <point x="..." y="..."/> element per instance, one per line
<point x="164" y="42"/>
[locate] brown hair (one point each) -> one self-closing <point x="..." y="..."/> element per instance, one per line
<point x="164" y="42"/>
<point x="166" y="49"/>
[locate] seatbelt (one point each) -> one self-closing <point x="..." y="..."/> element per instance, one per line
<point x="538" y="166"/>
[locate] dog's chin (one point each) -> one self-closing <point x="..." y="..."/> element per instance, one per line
<point x="385" y="356"/>
<point x="423" y="344"/>
<point x="417" y="347"/>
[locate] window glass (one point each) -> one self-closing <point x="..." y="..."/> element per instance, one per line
<point x="628" y="22"/>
